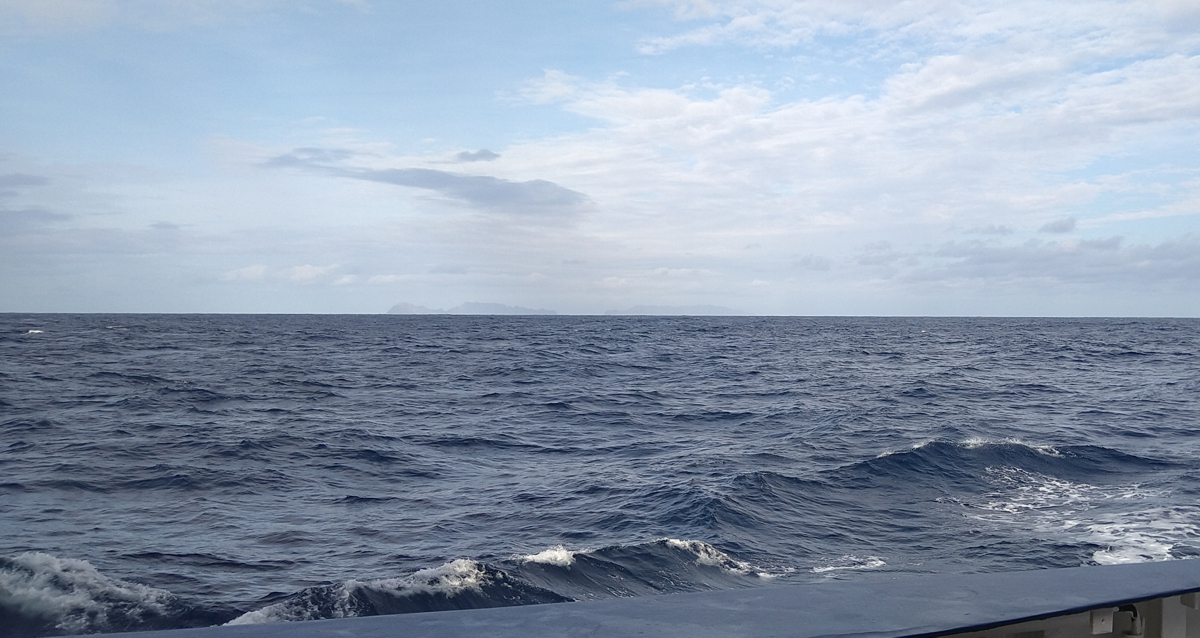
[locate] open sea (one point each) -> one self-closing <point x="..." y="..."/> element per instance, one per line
<point x="162" y="471"/>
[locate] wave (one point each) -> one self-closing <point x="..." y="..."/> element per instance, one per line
<point x="1041" y="505"/>
<point x="937" y="470"/>
<point x="553" y="575"/>
<point x="44" y="595"/>
<point x="1117" y="507"/>
<point x="966" y="462"/>
<point x="459" y="584"/>
<point x="662" y="566"/>
<point x="1105" y="505"/>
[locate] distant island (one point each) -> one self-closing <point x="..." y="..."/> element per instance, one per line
<point x="480" y="308"/>
<point x="469" y="308"/>
<point x="701" y="310"/>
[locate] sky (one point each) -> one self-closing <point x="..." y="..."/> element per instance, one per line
<point x="858" y="157"/>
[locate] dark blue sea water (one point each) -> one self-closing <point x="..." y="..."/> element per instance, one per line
<point x="175" y="471"/>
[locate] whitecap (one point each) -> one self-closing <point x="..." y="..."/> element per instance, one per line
<point x="338" y="601"/>
<point x="73" y="594"/>
<point x="557" y="555"/>
<point x="1142" y="537"/>
<point x="915" y="446"/>
<point x="850" y="561"/>
<point x="1123" y="519"/>
<point x="975" y="442"/>
<point x="710" y="556"/>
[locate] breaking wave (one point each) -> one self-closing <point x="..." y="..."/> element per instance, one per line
<point x="554" y="575"/>
<point x="459" y="584"/>
<point x="45" y="595"/>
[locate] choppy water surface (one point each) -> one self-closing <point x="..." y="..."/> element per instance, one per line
<point x="173" y="471"/>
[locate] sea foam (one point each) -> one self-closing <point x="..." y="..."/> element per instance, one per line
<point x="71" y="596"/>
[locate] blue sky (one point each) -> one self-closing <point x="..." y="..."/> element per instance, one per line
<point x="916" y="157"/>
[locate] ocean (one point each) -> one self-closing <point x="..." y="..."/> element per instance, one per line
<point x="162" y="471"/>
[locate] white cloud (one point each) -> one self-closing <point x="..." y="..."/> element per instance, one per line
<point x="1104" y="27"/>
<point x="305" y="274"/>
<point x="989" y="125"/>
<point x="249" y="273"/>
<point x="977" y="154"/>
<point x="995" y="102"/>
<point x="308" y="273"/>
<point x="389" y="279"/>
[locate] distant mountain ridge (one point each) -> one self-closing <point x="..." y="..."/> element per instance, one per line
<point x="699" y="310"/>
<point x="482" y="308"/>
<point x="468" y="308"/>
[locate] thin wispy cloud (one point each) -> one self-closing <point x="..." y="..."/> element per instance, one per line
<point x="1064" y="225"/>
<point x="532" y="197"/>
<point x="14" y="221"/>
<point x="13" y="180"/>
